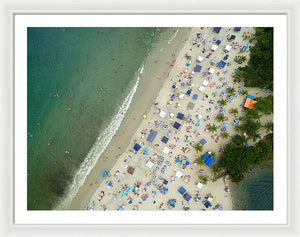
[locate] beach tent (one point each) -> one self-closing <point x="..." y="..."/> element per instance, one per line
<point x="162" y="114"/>
<point x="211" y="70"/>
<point x="214" y="60"/>
<point x="136" y="147"/>
<point x="205" y="83"/>
<point x="181" y="190"/>
<point x="197" y="68"/>
<point x="199" y="116"/>
<point x="227" y="48"/>
<point x="201" y="88"/>
<point x="222" y="64"/>
<point x="166" y="150"/>
<point x="195" y="97"/>
<point x="249" y="103"/>
<point x="190" y="105"/>
<point x="165" y="139"/>
<point x="200" y="59"/>
<point x="214" y="47"/>
<point x="199" y="185"/>
<point x="181" y="96"/>
<point x="207" y="204"/>
<point x="232" y="37"/>
<point x="179" y="174"/>
<point x="180" y="116"/>
<point x="149" y="164"/>
<point x="151" y="136"/>
<point x="171" y="115"/>
<point x="208" y="160"/>
<point x="217" y="29"/>
<point x="237" y="28"/>
<point x="176" y="125"/>
<point x="203" y="141"/>
<point x="187" y="197"/>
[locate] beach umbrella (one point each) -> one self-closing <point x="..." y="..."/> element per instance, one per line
<point x="182" y="84"/>
<point x="130" y="202"/>
<point x="144" y="116"/>
<point x="172" y="64"/>
<point x="190" y="62"/>
<point x="189" y="92"/>
<point x="133" y="190"/>
<point x="104" y="174"/>
<point x="179" y="104"/>
<point x="177" y="160"/>
<point x="183" y="162"/>
<point x="192" y="84"/>
<point x="187" y="163"/>
<point x="146" y="196"/>
<point x="173" y="86"/>
<point x="172" y="178"/>
<point x="226" y="125"/>
<point x="109" y="184"/>
<point x="224" y="129"/>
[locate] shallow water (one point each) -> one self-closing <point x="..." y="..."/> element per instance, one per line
<point x="256" y="191"/>
<point x="77" y="80"/>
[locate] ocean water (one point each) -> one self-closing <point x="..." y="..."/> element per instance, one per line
<point x="80" y="84"/>
<point x="256" y="191"/>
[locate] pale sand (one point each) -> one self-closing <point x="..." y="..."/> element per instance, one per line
<point x="112" y="199"/>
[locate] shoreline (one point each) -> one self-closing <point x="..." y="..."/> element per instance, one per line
<point x="147" y="90"/>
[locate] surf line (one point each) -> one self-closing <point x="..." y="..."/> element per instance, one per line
<point x="99" y="146"/>
<point x="173" y="37"/>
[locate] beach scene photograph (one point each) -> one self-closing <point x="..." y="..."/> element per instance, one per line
<point x="150" y="118"/>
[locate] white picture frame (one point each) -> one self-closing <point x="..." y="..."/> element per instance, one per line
<point x="8" y="11"/>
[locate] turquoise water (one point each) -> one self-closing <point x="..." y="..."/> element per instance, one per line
<point x="77" y="80"/>
<point x="256" y="191"/>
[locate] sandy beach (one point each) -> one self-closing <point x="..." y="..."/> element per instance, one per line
<point x="177" y="104"/>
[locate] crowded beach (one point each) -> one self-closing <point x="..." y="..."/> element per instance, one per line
<point x="197" y="106"/>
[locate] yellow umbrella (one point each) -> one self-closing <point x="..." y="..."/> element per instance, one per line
<point x="144" y="116"/>
<point x="179" y="104"/>
<point x="192" y="84"/>
<point x="215" y="199"/>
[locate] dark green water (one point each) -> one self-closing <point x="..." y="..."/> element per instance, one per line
<point x="256" y="191"/>
<point x="77" y="80"/>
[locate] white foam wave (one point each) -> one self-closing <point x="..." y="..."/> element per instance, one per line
<point x="101" y="143"/>
<point x="173" y="37"/>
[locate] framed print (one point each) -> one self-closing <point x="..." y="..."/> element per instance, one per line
<point x="177" y="119"/>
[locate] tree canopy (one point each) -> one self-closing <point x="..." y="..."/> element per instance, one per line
<point x="259" y="71"/>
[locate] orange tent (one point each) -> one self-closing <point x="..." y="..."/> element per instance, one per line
<point x="249" y="103"/>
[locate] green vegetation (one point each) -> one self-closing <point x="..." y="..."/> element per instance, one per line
<point x="234" y="111"/>
<point x="204" y="179"/>
<point x="212" y="128"/>
<point x="259" y="71"/>
<point x="265" y="105"/>
<point x="198" y="147"/>
<point x="238" y="159"/>
<point x="231" y="90"/>
<point x="269" y="126"/>
<point x="199" y="161"/>
<point x="225" y="135"/>
<point x="250" y="127"/>
<point x="222" y="102"/>
<point x="220" y="118"/>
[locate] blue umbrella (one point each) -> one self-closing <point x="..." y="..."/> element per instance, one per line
<point x="177" y="159"/>
<point x="224" y="129"/>
<point x="187" y="163"/>
<point x="226" y="125"/>
<point x="104" y="174"/>
<point x="182" y="84"/>
<point x="188" y="92"/>
<point x="173" y="86"/>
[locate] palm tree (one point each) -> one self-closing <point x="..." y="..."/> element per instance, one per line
<point x="213" y="154"/>
<point x="269" y="126"/>
<point x="231" y="90"/>
<point x="234" y="111"/>
<point x="220" y="118"/>
<point x="213" y="128"/>
<point x="222" y="102"/>
<point x="243" y="59"/>
<point x="225" y="135"/>
<point x="199" y="161"/>
<point x="203" y="179"/>
<point x="198" y="147"/>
